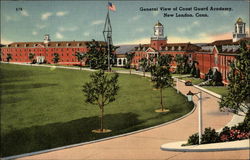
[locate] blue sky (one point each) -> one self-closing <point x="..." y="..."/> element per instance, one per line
<point x="84" y="20"/>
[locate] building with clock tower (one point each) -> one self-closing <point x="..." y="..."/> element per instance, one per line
<point x="158" y="40"/>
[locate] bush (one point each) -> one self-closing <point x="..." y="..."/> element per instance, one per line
<point x="210" y="136"/>
<point x="193" y="140"/>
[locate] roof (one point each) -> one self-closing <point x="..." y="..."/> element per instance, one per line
<point x="51" y="44"/>
<point x="125" y="48"/>
<point x="222" y="42"/>
<point x="158" y="24"/>
<point x="239" y="20"/>
<point x="171" y="47"/>
<point x="229" y="41"/>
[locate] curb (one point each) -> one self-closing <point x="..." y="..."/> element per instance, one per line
<point x="212" y="147"/>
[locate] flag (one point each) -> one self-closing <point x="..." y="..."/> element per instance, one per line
<point x="39" y="45"/>
<point x="111" y="6"/>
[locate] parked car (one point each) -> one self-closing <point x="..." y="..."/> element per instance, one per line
<point x="188" y="83"/>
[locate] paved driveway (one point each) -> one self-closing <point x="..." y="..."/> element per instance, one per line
<point x="146" y="145"/>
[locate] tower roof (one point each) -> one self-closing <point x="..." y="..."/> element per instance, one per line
<point x="239" y="20"/>
<point x="158" y="24"/>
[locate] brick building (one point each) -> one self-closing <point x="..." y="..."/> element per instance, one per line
<point x="215" y="55"/>
<point x="44" y="51"/>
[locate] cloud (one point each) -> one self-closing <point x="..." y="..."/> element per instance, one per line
<point x="59" y="35"/>
<point x="139" y="29"/>
<point x="227" y="35"/>
<point x="41" y="26"/>
<point x="135" y="18"/>
<point x="61" y="13"/>
<point x="10" y="18"/>
<point x="200" y="38"/>
<point x="63" y="29"/>
<point x="87" y="34"/>
<point x="97" y="22"/>
<point x="24" y="13"/>
<point x="188" y="27"/>
<point x="155" y="13"/>
<point x="34" y="33"/>
<point x="46" y="15"/>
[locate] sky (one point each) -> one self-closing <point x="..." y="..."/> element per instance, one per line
<point x="84" y="20"/>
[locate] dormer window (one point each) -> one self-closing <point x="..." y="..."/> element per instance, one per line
<point x="173" y="48"/>
<point x="144" y="48"/>
<point x="179" y="48"/>
<point x="166" y="48"/>
<point x="34" y="45"/>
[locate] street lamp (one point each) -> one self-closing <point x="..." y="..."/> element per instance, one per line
<point x="190" y="98"/>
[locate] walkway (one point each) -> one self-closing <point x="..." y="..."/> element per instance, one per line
<point x="146" y="145"/>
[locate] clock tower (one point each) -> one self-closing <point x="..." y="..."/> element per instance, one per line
<point x="239" y="30"/>
<point x="158" y="40"/>
<point x="46" y="39"/>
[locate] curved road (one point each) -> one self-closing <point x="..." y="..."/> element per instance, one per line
<point x="146" y="145"/>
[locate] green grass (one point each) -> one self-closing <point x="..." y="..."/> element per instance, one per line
<point x="43" y="108"/>
<point x="194" y="81"/>
<point x="219" y="90"/>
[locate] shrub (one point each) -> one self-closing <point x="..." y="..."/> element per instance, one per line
<point x="237" y="132"/>
<point x="193" y="140"/>
<point x="210" y="136"/>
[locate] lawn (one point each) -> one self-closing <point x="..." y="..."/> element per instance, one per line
<point x="194" y="81"/>
<point x="219" y="90"/>
<point x="44" y="108"/>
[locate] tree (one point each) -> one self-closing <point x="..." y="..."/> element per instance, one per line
<point x="9" y="57"/>
<point x="56" y="58"/>
<point x="129" y="57"/>
<point x="101" y="90"/>
<point x="165" y="60"/>
<point x="217" y="79"/>
<point x="238" y="98"/>
<point x="193" y="70"/>
<point x="197" y="74"/>
<point x="98" y="55"/>
<point x="144" y="64"/>
<point x="1" y="56"/>
<point x="31" y="57"/>
<point x="182" y="64"/>
<point x="162" y="79"/>
<point x="209" y="75"/>
<point x="151" y="64"/>
<point x="80" y="57"/>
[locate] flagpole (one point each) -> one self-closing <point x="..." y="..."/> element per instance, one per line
<point x="107" y="33"/>
<point x="109" y="69"/>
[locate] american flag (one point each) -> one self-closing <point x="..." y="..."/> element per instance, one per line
<point x="40" y="45"/>
<point x="111" y="6"/>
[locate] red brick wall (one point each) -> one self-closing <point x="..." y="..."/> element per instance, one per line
<point x="22" y="54"/>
